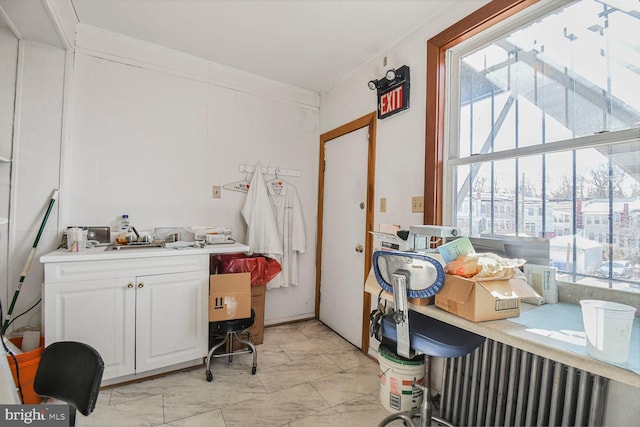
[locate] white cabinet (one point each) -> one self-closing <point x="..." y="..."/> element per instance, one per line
<point x="171" y="323"/>
<point x="141" y="314"/>
<point x="101" y="313"/>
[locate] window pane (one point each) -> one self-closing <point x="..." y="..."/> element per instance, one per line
<point x="572" y="73"/>
<point x="567" y="75"/>
<point x="587" y="202"/>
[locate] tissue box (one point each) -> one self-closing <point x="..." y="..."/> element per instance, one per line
<point x="480" y="300"/>
<point x="229" y="296"/>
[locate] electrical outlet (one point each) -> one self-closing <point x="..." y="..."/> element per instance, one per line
<point x="417" y="204"/>
<point x="383" y="204"/>
<point x="217" y="193"/>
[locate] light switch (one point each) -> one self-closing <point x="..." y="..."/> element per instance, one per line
<point x="383" y="204"/>
<point x="417" y="204"/>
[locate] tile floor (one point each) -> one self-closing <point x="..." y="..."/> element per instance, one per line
<point x="307" y="376"/>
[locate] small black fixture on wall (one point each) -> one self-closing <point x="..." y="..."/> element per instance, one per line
<point x="393" y="91"/>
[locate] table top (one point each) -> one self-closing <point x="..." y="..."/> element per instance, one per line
<point x="526" y="338"/>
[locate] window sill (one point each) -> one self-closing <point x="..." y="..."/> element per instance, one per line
<point x="518" y="336"/>
<point x="574" y="292"/>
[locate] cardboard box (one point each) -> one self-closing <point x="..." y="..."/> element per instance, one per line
<point x="480" y="300"/>
<point x="421" y="301"/>
<point x="229" y="296"/>
<point x="257" y="330"/>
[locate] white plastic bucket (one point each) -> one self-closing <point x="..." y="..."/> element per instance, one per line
<point x="608" y="328"/>
<point x="397" y="375"/>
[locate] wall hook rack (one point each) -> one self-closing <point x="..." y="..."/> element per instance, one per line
<point x="271" y="170"/>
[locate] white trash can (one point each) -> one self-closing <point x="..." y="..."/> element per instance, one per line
<point x="608" y="329"/>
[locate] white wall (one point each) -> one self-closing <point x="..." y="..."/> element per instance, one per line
<point x="152" y="130"/>
<point x="35" y="168"/>
<point x="8" y="69"/>
<point x="8" y="66"/>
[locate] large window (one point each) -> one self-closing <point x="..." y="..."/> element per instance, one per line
<point x="543" y="136"/>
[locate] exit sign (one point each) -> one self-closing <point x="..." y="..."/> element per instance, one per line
<point x="395" y="96"/>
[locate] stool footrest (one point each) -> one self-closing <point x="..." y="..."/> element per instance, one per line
<point x="233" y="353"/>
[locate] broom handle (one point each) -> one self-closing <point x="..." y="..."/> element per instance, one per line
<point x="32" y="254"/>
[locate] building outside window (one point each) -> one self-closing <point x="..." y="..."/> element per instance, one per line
<point x="544" y="129"/>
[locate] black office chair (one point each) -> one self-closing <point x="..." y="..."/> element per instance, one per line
<point x="223" y="333"/>
<point x="415" y="275"/>
<point x="71" y="372"/>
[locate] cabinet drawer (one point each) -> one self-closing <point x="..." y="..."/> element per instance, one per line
<point x="90" y="270"/>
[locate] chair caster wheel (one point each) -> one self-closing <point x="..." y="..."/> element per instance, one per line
<point x="209" y="376"/>
<point x="253" y="370"/>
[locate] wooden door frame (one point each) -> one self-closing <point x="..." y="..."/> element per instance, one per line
<point x="367" y="121"/>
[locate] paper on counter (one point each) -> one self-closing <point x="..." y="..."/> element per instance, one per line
<point x="452" y="250"/>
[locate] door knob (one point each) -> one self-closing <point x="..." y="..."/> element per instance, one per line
<point x="130" y="285"/>
<point x="141" y="285"/>
<point x="359" y="248"/>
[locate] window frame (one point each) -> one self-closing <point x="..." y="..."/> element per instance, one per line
<point x="492" y="14"/>
<point x="487" y="16"/>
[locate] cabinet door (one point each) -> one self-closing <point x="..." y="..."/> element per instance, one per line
<point x="100" y="313"/>
<point x="172" y="319"/>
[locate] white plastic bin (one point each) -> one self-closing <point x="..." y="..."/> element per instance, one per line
<point x="608" y="328"/>
<point x="397" y="375"/>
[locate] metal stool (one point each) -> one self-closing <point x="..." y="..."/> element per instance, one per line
<point x="225" y="332"/>
<point x="410" y="274"/>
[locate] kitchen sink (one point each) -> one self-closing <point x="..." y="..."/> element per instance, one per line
<point x="138" y="245"/>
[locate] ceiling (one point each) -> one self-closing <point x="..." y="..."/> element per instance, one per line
<point x="310" y="44"/>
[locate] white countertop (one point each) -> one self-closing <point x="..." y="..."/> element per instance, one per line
<point x="521" y="337"/>
<point x="106" y="253"/>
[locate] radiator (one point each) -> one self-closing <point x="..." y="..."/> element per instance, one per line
<point x="504" y="386"/>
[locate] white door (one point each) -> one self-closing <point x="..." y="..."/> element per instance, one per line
<point x="171" y="319"/>
<point x="344" y="234"/>
<point x="100" y="313"/>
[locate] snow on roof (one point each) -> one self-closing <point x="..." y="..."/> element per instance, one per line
<point x="601" y="206"/>
<point x="581" y="242"/>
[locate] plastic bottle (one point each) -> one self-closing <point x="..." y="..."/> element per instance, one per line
<point x="125" y="223"/>
<point x="124" y="232"/>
